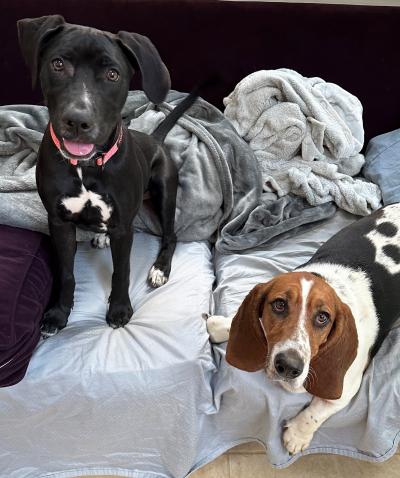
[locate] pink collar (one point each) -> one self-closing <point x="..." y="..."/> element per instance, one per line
<point x="102" y="158"/>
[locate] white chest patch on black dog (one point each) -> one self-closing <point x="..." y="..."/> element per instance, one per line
<point x="87" y="198"/>
<point x="386" y="239"/>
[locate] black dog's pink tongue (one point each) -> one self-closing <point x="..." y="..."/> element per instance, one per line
<point x="78" y="149"/>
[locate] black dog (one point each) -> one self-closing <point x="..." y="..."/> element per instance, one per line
<point x="92" y="172"/>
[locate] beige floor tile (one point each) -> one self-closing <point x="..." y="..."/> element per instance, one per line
<point x="252" y="447"/>
<point x="250" y="466"/>
<point x="219" y="468"/>
<point x="256" y="466"/>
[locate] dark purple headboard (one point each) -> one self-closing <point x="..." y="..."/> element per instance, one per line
<point x="357" y="47"/>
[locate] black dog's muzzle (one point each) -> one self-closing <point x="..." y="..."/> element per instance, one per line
<point x="99" y="158"/>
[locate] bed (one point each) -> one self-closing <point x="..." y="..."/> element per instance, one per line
<point x="156" y="399"/>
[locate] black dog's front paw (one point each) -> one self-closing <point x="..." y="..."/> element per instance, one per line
<point x="157" y="276"/>
<point x="119" y="315"/>
<point x="53" y="321"/>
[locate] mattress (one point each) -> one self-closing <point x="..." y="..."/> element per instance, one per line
<point x="155" y="399"/>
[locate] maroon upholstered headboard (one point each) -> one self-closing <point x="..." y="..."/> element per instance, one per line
<point x="355" y="46"/>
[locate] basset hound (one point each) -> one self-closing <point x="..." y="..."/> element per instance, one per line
<point x="316" y="329"/>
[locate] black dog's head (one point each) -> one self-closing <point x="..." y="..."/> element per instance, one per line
<point x="85" y="75"/>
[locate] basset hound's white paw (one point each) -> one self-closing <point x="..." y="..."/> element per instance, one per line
<point x="297" y="435"/>
<point x="218" y="327"/>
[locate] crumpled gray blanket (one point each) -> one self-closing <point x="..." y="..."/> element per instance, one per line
<point x="307" y="135"/>
<point x="220" y="191"/>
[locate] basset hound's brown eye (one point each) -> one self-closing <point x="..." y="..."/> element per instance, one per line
<point x="279" y="306"/>
<point x="322" y="319"/>
<point x="112" y="75"/>
<point x="58" y="64"/>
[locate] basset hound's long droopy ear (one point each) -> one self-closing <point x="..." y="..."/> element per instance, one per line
<point x="334" y="357"/>
<point x="141" y="52"/>
<point x="33" y="33"/>
<point x="247" y="345"/>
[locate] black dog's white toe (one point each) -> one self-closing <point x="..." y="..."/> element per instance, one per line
<point x="100" y="241"/>
<point x="157" y="278"/>
<point x="53" y="321"/>
<point x="47" y="332"/>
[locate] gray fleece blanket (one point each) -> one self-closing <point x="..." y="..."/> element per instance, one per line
<point x="307" y="135"/>
<point x="220" y="193"/>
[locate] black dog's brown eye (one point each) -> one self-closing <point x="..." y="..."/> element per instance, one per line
<point x="321" y="319"/>
<point x="279" y="306"/>
<point x="58" y="64"/>
<point x="112" y="75"/>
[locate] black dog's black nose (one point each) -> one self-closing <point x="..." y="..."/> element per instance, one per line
<point x="289" y="364"/>
<point x="77" y="120"/>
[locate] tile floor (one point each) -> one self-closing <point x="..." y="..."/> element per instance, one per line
<point x="249" y="461"/>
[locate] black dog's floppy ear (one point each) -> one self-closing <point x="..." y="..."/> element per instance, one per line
<point x="140" y="51"/>
<point x="32" y="35"/>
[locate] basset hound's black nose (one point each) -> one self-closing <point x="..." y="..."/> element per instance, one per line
<point x="289" y="364"/>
